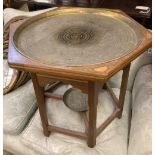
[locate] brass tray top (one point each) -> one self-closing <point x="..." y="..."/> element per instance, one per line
<point x="77" y="37"/>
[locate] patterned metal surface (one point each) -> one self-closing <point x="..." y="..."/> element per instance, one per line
<point x="74" y="37"/>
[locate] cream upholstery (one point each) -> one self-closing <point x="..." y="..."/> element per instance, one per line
<point x="141" y="124"/>
<point x="12" y="143"/>
<point x="19" y="105"/>
<point x="112" y="141"/>
<point x="142" y="60"/>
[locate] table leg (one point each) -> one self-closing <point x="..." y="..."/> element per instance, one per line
<point x="92" y="103"/>
<point x="39" y="91"/>
<point x="123" y="88"/>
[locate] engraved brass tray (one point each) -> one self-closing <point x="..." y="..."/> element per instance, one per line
<point x="77" y="36"/>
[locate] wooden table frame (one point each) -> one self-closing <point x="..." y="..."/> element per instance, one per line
<point x="92" y="89"/>
<point x="90" y="79"/>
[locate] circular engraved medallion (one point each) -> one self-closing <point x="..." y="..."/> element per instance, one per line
<point x="76" y="35"/>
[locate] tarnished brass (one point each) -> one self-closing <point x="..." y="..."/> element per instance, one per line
<point x="77" y="36"/>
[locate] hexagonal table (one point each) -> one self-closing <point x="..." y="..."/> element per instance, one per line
<point x="83" y="47"/>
